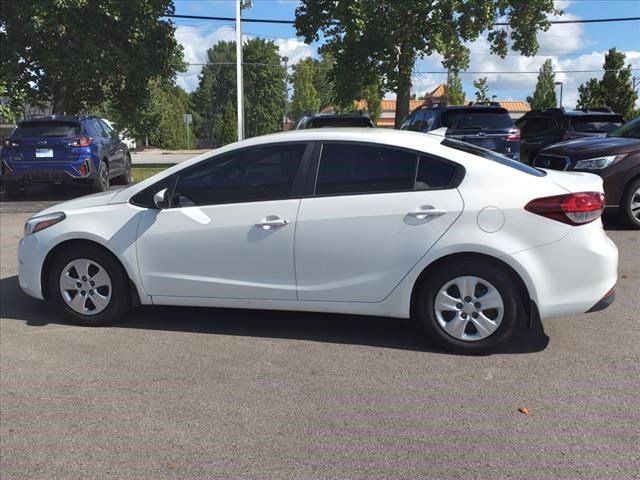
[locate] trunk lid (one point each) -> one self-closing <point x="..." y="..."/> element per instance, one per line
<point x="575" y="182"/>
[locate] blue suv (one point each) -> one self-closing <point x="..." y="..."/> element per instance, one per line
<point x="64" y="149"/>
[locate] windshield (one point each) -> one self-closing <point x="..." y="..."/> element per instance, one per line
<point x="595" y="124"/>
<point x="477" y="120"/>
<point x="46" y="129"/>
<point x="628" y="130"/>
<point x="493" y="156"/>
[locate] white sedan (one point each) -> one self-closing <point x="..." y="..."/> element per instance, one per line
<point x="356" y="221"/>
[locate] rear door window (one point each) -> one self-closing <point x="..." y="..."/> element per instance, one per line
<point x="351" y="168"/>
<point x="47" y="129"/>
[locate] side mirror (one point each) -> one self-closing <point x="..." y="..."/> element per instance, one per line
<point x="160" y="199"/>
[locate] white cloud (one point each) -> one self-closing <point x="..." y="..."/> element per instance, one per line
<point x="294" y="49"/>
<point x="196" y="42"/>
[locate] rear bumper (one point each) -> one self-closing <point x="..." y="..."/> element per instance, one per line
<point x="574" y="274"/>
<point x="49" y="171"/>
<point x="604" y="302"/>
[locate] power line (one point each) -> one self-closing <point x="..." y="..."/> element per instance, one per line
<point x="291" y="22"/>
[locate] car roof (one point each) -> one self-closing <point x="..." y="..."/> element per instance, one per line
<point x="571" y="113"/>
<point x="57" y="118"/>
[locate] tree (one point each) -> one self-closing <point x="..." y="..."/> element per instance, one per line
<point x="544" y="95"/>
<point x="214" y="101"/>
<point x="385" y="37"/>
<point x="614" y="91"/>
<point x="305" y="98"/>
<point x="455" y="92"/>
<point x="80" y="52"/>
<point x="590" y="95"/>
<point x="616" y="85"/>
<point x="482" y="89"/>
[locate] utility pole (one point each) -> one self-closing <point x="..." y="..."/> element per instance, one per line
<point x="240" y="4"/>
<point x="559" y="83"/>
<point x="286" y="91"/>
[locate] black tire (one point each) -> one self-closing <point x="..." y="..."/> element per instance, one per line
<point x="126" y="178"/>
<point x="101" y="183"/>
<point x="15" y="189"/>
<point x="120" y="295"/>
<point x="503" y="282"/>
<point x="628" y="216"/>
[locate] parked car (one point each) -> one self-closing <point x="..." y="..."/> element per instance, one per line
<point x="541" y="128"/>
<point x="64" y="149"/>
<point x="616" y="158"/>
<point x="323" y="120"/>
<point x="488" y="126"/>
<point x="355" y="221"/>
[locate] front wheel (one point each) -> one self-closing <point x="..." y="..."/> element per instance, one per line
<point x="89" y="286"/>
<point x="468" y="306"/>
<point x="630" y="205"/>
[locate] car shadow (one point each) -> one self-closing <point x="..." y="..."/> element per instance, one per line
<point x="318" y="327"/>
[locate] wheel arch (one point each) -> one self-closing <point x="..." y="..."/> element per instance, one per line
<point x="51" y="255"/>
<point x="528" y="302"/>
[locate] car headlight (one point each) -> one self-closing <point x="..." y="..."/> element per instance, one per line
<point x="37" y="224"/>
<point x="597" y="163"/>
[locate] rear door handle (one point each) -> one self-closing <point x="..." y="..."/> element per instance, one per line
<point x="272" y="221"/>
<point x="426" y="211"/>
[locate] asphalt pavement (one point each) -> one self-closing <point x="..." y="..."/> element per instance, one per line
<point x="180" y="393"/>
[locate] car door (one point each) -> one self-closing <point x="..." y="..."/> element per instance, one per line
<point x="229" y="230"/>
<point x="536" y="133"/>
<point x="375" y="212"/>
<point x="115" y="148"/>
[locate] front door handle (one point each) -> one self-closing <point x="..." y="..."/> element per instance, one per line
<point x="272" y="221"/>
<point x="426" y="211"/>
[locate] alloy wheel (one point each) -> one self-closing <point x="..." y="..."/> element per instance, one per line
<point x="469" y="308"/>
<point x="85" y="286"/>
<point x="635" y="205"/>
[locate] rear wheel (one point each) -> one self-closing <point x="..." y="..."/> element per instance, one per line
<point x="15" y="189"/>
<point x="89" y="286"/>
<point x="630" y="205"/>
<point x="126" y="178"/>
<point x="101" y="183"/>
<point x="469" y="306"/>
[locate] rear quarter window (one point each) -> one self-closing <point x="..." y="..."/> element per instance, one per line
<point x="493" y="156"/>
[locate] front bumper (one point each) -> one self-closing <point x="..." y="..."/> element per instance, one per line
<point x="31" y="255"/>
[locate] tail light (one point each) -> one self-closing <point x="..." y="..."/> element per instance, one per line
<point x="514" y="135"/>
<point x="81" y="142"/>
<point x="572" y="209"/>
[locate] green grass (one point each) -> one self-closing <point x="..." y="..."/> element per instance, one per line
<point x="142" y="172"/>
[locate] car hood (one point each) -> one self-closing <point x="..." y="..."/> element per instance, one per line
<point x="88" y="201"/>
<point x="593" y="147"/>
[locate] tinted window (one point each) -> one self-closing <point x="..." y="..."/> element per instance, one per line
<point x="109" y="132"/>
<point x="434" y="173"/>
<point x="320" y="122"/>
<point x="595" y="124"/>
<point x="493" y="156"/>
<point x="406" y="123"/>
<point x="535" y="126"/>
<point x="423" y="121"/>
<point x="346" y="168"/>
<point x="254" y="174"/>
<point x="628" y="130"/>
<point x="98" y="129"/>
<point x="475" y="119"/>
<point x="47" y="129"/>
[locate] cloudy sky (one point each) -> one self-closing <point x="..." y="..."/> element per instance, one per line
<point x="570" y="47"/>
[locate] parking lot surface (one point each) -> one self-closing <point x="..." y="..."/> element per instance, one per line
<point x="212" y="393"/>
